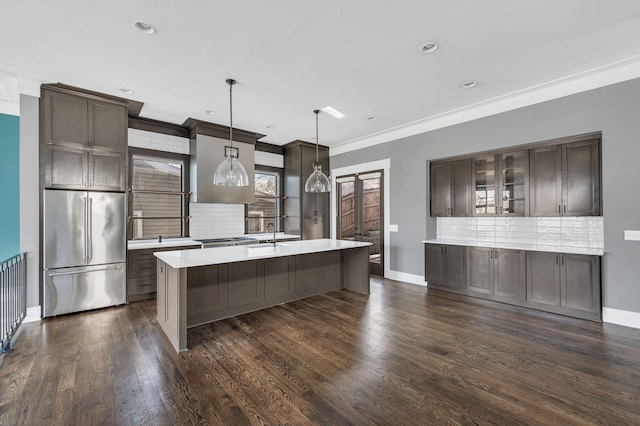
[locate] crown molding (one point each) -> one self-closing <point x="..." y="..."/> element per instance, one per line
<point x="606" y="75"/>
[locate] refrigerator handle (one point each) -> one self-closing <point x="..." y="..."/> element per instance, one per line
<point x="89" y="229"/>
<point x="85" y="255"/>
<point x="76" y="272"/>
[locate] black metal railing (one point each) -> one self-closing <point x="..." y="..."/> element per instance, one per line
<point x="13" y="297"/>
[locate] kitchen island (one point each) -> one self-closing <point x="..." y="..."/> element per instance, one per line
<point x="196" y="287"/>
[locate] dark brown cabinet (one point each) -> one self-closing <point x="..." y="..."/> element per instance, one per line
<point x="565" y="179"/>
<point x="450" y="188"/>
<point x="142" y="273"/>
<point x="500" y="183"/>
<point x="306" y="214"/>
<point x="84" y="141"/>
<point x="446" y="266"/>
<point x="564" y="283"/>
<point x="498" y="272"/>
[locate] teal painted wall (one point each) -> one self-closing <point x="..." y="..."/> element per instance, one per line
<point x="9" y="186"/>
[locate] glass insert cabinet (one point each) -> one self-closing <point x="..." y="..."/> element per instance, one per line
<point x="500" y="184"/>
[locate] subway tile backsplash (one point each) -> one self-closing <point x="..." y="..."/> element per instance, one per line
<point x="216" y="220"/>
<point x="570" y="232"/>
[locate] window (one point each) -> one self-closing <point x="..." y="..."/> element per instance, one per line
<point x="266" y="206"/>
<point x="157" y="197"/>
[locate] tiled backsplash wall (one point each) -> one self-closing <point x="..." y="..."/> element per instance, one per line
<point x="213" y="220"/>
<point x="575" y="232"/>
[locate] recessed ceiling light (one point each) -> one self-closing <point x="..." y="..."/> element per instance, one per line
<point x="469" y="84"/>
<point x="127" y="91"/>
<point x="429" y="47"/>
<point x="270" y="126"/>
<point x="332" y="111"/>
<point x="371" y="118"/>
<point x="144" y="27"/>
<point x="210" y="112"/>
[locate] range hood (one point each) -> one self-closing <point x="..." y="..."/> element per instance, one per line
<point x="207" y="147"/>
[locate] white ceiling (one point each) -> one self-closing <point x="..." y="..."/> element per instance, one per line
<point x="292" y="56"/>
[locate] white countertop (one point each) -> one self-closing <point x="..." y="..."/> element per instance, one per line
<point x="177" y="242"/>
<point x="218" y="255"/>
<point x="530" y="247"/>
<point x="169" y="242"/>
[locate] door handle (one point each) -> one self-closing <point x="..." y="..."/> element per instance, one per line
<point x="84" y="224"/>
<point x="108" y="268"/>
<point x="89" y="228"/>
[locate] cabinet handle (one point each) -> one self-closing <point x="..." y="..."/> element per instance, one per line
<point x="559" y="211"/>
<point x="563" y="260"/>
<point x="490" y="254"/>
<point x="557" y="259"/>
<point x="565" y="208"/>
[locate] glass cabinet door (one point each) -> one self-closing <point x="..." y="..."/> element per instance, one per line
<point x="513" y="174"/>
<point x="484" y="178"/>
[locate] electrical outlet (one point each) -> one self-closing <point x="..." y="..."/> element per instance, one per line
<point x="393" y="228"/>
<point x="632" y="235"/>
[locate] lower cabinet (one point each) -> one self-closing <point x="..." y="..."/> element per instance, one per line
<point x="141" y="272"/>
<point x="499" y="273"/>
<point x="564" y="283"/>
<point x="567" y="284"/>
<point x="446" y="266"/>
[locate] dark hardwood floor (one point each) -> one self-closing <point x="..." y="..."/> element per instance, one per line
<point x="403" y="355"/>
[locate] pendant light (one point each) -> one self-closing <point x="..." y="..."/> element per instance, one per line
<point x="231" y="172"/>
<point x="318" y="181"/>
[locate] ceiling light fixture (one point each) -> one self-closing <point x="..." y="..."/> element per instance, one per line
<point x="127" y="91"/>
<point x="371" y="118"/>
<point x="469" y="84"/>
<point x="318" y="181"/>
<point x="231" y="172"/>
<point x="333" y="112"/>
<point x="429" y="47"/>
<point x="144" y="27"/>
<point x="210" y="112"/>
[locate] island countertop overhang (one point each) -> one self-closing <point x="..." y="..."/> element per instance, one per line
<point x="179" y="259"/>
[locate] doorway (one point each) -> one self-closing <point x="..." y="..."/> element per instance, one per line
<point x="360" y="210"/>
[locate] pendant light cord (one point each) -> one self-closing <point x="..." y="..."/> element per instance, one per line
<point x="317" y="111"/>
<point x="231" y="83"/>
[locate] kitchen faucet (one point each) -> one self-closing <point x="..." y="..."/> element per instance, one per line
<point x="274" y="232"/>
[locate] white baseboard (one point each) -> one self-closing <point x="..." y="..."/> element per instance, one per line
<point x="620" y="317"/>
<point x="408" y="278"/>
<point x="33" y="314"/>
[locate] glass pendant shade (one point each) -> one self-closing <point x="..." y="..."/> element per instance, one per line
<point x="318" y="181"/>
<point x="231" y="172"/>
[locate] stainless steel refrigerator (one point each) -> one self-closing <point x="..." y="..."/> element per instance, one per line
<point x="84" y="250"/>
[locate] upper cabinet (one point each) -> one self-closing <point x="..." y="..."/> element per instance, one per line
<point x="565" y="179"/>
<point x="450" y="183"/>
<point x="84" y="141"/>
<point x="500" y="184"/>
<point x="82" y="122"/>
<point x="548" y="179"/>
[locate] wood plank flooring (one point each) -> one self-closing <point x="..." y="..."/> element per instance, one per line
<point x="403" y="355"/>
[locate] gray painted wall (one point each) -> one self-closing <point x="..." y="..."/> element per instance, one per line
<point x="614" y="110"/>
<point x="29" y="194"/>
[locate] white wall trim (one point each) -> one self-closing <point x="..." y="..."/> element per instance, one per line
<point x="385" y="166"/>
<point x="620" y="317"/>
<point x="33" y="314"/>
<point x="616" y="72"/>
<point x="407" y="278"/>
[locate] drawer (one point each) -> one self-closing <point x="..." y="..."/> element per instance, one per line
<point x="143" y="285"/>
<point x="140" y="255"/>
<point x="145" y="268"/>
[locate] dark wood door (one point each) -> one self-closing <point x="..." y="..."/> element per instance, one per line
<point x="454" y="267"/>
<point x="581" y="178"/>
<point x="543" y="277"/>
<point x="107" y="125"/>
<point x="481" y="269"/>
<point x="545" y="181"/>
<point x="509" y="274"/>
<point x="581" y="282"/>
<point x="461" y="182"/>
<point x="440" y="189"/>
<point x="65" y="119"/>
<point x="433" y="263"/>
